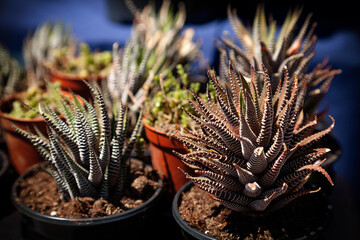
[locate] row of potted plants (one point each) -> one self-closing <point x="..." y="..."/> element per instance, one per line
<point x="247" y="140"/>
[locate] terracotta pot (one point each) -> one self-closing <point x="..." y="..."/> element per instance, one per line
<point x="164" y="160"/>
<point x="35" y="225"/>
<point x="22" y="154"/>
<point x="73" y="82"/>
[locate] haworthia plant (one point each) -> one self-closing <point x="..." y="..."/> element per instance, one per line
<point x="10" y="73"/>
<point x="254" y="153"/>
<point x="38" y="46"/>
<point x="87" y="152"/>
<point x="264" y="45"/>
<point x="157" y="44"/>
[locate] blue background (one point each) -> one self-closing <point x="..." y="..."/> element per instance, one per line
<point x="338" y="40"/>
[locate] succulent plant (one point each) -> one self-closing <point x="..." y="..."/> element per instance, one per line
<point x="87" y="153"/>
<point x="262" y="45"/>
<point x="23" y="107"/>
<point x="254" y="153"/>
<point x="157" y="43"/>
<point x="10" y="73"/>
<point x="166" y="107"/>
<point x="38" y="46"/>
<point x="81" y="63"/>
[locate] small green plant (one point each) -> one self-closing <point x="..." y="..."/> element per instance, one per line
<point x="253" y="153"/>
<point x="83" y="64"/>
<point x="25" y="106"/>
<point x="169" y="104"/>
<point x="87" y="156"/>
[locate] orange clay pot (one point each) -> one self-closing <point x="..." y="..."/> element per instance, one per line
<point x="74" y="82"/>
<point x="22" y="154"/>
<point x="164" y="160"/>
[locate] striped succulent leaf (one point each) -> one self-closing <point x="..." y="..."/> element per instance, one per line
<point x="254" y="153"/>
<point x="10" y="73"/>
<point x="157" y="43"/>
<point x="262" y="45"/>
<point x="87" y="156"/>
<point x="38" y="46"/>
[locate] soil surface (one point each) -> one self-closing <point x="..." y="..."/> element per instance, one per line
<point x="304" y="216"/>
<point x="39" y="192"/>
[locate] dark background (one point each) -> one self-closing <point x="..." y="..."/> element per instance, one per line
<point x="94" y="22"/>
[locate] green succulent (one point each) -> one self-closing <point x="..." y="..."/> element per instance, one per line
<point x="30" y="100"/>
<point x="87" y="154"/>
<point x="83" y="64"/>
<point x="169" y="105"/>
<point x="254" y="153"/>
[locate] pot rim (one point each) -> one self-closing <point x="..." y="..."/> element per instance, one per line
<point x="6" y="116"/>
<point x="82" y="222"/>
<point x="146" y="125"/>
<point x="183" y="224"/>
<point x="15" y="96"/>
<point x="71" y="76"/>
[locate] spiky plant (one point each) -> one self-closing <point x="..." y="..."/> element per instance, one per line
<point x="87" y="153"/>
<point x="264" y="45"/>
<point x="157" y="44"/>
<point x="38" y="46"/>
<point x="254" y="153"/>
<point x="10" y="73"/>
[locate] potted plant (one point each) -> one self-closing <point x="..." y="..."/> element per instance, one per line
<point x="165" y="113"/>
<point x="254" y="156"/>
<point x="94" y="187"/>
<point x="10" y="73"/>
<point x="264" y="46"/>
<point x="39" y="45"/>
<point x="18" y="109"/>
<point x="70" y="67"/>
<point x="36" y="48"/>
<point x="158" y="43"/>
<point x="10" y="77"/>
<point x="293" y="45"/>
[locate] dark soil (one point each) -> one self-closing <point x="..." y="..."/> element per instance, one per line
<point x="305" y="216"/>
<point x="39" y="192"/>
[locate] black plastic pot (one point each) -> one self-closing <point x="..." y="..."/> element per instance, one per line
<point x="190" y="233"/>
<point x="187" y="231"/>
<point x="126" y="225"/>
<point x="7" y="178"/>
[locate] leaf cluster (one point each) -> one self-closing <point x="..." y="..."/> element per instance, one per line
<point x="86" y="149"/>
